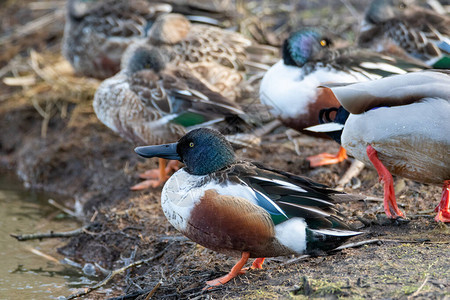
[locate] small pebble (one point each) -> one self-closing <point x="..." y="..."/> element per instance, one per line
<point x="89" y="269"/>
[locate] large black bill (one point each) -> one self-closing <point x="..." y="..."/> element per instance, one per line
<point x="167" y="151"/>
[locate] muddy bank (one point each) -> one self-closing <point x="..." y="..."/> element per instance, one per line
<point x="67" y="161"/>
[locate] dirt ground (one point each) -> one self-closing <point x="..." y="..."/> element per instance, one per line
<point x="52" y="139"/>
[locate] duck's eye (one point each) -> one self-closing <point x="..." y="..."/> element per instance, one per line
<point x="323" y="43"/>
<point x="191" y="144"/>
<point x="402" y="5"/>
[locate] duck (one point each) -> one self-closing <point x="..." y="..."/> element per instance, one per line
<point x="244" y="208"/>
<point x="96" y="33"/>
<point x="309" y="59"/>
<point x="399" y="125"/>
<point x="239" y="61"/>
<point x="402" y="28"/>
<point x="152" y="101"/>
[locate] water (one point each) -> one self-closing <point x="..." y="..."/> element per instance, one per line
<point x="24" y="274"/>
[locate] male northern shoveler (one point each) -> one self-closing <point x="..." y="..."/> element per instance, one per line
<point x="97" y="33"/>
<point x="395" y="26"/>
<point x="152" y="101"/>
<point x="243" y="208"/>
<point x="406" y="135"/>
<point x="290" y="87"/>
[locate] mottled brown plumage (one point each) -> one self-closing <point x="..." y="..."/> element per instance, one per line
<point x="97" y="32"/>
<point x="142" y="102"/>
<point x="221" y="51"/>
<point x="397" y="27"/>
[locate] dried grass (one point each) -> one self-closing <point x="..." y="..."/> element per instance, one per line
<point x="47" y="81"/>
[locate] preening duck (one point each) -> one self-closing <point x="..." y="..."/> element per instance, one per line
<point x="244" y="208"/>
<point x="400" y="126"/>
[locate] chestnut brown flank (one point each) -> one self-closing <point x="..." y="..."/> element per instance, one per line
<point x="232" y="225"/>
<point x="325" y="99"/>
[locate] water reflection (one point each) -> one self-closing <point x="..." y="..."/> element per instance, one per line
<point x="23" y="274"/>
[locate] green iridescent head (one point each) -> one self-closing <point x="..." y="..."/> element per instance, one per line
<point x="304" y="46"/>
<point x="202" y="150"/>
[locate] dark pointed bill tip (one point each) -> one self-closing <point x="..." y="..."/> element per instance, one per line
<point x="167" y="151"/>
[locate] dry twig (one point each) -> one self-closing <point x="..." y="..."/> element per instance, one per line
<point x="295" y="260"/>
<point x="352" y="10"/>
<point x="33" y="26"/>
<point x="354" y="170"/>
<point x="51" y="234"/>
<point x="116" y="272"/>
<point x="420" y="288"/>
<point x="42" y="254"/>
<point x="62" y="208"/>
<point x="153" y="291"/>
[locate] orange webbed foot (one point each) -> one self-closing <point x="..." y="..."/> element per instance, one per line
<point x="257" y="264"/>
<point x="235" y="271"/>
<point x="150" y="174"/>
<point x="327" y="159"/>
<point x="156" y="177"/>
<point x="443" y="216"/>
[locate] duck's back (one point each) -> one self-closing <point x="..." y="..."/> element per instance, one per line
<point x="123" y="111"/>
<point x="411" y="140"/>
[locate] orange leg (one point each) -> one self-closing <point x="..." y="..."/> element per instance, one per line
<point x="443" y="208"/>
<point x="257" y="264"/>
<point x="156" y="177"/>
<point x="164" y="169"/>
<point x="390" y="204"/>
<point x="327" y="159"/>
<point x="235" y="271"/>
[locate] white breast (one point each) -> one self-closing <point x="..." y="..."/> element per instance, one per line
<point x="288" y="92"/>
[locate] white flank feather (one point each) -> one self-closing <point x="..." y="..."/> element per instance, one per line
<point x="326" y="127"/>
<point x="292" y="234"/>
